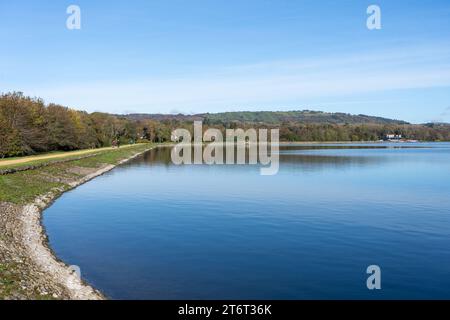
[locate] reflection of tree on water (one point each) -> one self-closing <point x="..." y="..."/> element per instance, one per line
<point x="157" y="156"/>
<point x="306" y="162"/>
<point x="293" y="157"/>
<point x="347" y="147"/>
<point x="315" y="162"/>
<point x="310" y="157"/>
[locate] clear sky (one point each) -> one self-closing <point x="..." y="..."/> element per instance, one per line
<point x="227" y="55"/>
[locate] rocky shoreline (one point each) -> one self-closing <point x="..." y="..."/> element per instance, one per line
<point x="26" y="257"/>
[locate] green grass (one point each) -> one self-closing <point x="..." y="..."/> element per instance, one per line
<point x="24" y="186"/>
<point x="109" y="157"/>
<point x="65" y="156"/>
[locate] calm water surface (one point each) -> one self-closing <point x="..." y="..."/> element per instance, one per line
<point x="153" y="230"/>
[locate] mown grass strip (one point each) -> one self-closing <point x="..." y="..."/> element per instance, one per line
<point x="24" y="186"/>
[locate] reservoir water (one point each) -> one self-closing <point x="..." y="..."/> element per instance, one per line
<point x="153" y="230"/>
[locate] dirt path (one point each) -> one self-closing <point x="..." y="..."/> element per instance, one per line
<point x="23" y="160"/>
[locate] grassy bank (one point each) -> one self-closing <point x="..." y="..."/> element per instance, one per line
<point x="20" y="277"/>
<point x="24" y="186"/>
<point x="49" y="157"/>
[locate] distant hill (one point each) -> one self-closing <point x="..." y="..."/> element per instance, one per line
<point x="271" y="117"/>
<point x="161" y="117"/>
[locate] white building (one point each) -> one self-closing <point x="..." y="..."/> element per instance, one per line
<point x="393" y="136"/>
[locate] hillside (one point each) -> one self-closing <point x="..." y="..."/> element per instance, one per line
<point x="272" y="117"/>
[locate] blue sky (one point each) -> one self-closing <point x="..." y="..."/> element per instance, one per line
<point x="216" y="55"/>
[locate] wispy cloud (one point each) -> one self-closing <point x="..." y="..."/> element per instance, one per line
<point x="266" y="82"/>
<point x="444" y="116"/>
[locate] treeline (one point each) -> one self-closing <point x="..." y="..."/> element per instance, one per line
<point x="362" y="132"/>
<point x="305" y="116"/>
<point x="28" y="126"/>
<point x="304" y="132"/>
<point x="272" y="117"/>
